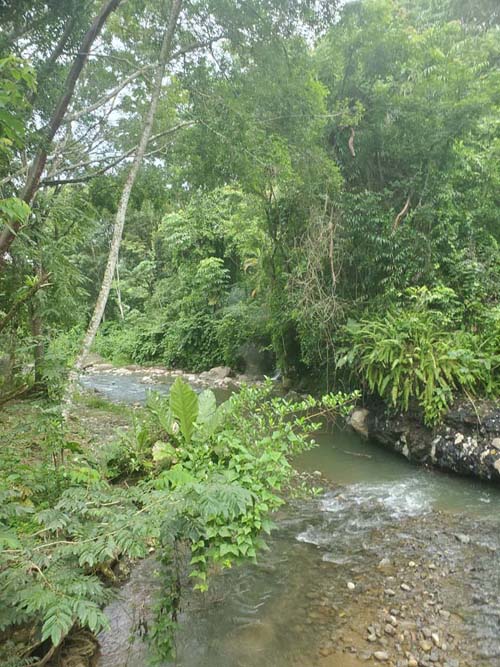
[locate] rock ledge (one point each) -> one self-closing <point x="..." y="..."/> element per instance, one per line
<point x="467" y="442"/>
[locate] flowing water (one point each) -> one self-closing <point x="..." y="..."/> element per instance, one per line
<point x="386" y="538"/>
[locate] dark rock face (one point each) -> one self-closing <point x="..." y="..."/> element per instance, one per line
<point x="467" y="442"/>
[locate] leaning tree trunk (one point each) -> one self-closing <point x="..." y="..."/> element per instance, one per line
<point x="35" y="171"/>
<point x="107" y="280"/>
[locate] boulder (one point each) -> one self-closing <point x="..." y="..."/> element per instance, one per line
<point x="358" y="420"/>
<point x="218" y="373"/>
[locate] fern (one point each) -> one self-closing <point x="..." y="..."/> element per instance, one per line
<point x="409" y="355"/>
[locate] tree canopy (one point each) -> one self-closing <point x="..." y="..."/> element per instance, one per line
<point x="308" y="165"/>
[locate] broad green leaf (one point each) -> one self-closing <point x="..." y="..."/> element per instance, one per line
<point x="184" y="406"/>
<point x="207" y="406"/>
<point x="163" y="451"/>
<point x="14" y="209"/>
<point x="179" y="476"/>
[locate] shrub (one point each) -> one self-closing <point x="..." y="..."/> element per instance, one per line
<point x="409" y="354"/>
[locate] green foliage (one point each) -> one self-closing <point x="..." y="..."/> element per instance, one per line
<point x="17" y="79"/>
<point x="305" y="185"/>
<point x="209" y="479"/>
<point x="184" y="407"/>
<point x="413" y="353"/>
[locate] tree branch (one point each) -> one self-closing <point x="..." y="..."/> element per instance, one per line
<point x="401" y="214"/>
<point x="109" y="96"/>
<point x="114" y="163"/>
<point x="8" y="234"/>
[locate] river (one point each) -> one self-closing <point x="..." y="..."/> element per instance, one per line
<point x="391" y="564"/>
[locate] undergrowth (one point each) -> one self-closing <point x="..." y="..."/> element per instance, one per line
<point x="208" y="479"/>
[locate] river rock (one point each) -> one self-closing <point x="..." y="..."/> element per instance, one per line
<point x="381" y="656"/>
<point x="365" y="655"/>
<point x="358" y="420"/>
<point x="217" y="373"/>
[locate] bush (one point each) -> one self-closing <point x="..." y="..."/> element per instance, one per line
<point x="410" y="354"/>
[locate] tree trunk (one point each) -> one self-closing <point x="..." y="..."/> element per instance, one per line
<point x="107" y="280"/>
<point x="36" y="327"/>
<point x="119" y="294"/>
<point x="35" y="171"/>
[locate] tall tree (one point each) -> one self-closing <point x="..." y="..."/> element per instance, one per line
<point x="8" y="233"/>
<point x="121" y="213"/>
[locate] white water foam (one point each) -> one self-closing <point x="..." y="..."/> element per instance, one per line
<point x="408" y="497"/>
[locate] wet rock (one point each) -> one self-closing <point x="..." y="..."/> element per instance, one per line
<point x="358" y="421"/>
<point x="467" y="442"/>
<point x="464" y="539"/>
<point x="326" y="650"/>
<point x="365" y="655"/>
<point x="384" y="564"/>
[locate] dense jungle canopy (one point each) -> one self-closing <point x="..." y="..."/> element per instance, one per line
<point x="300" y="188"/>
<point x="320" y="186"/>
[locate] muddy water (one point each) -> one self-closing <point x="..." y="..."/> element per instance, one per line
<point x="391" y="564"/>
